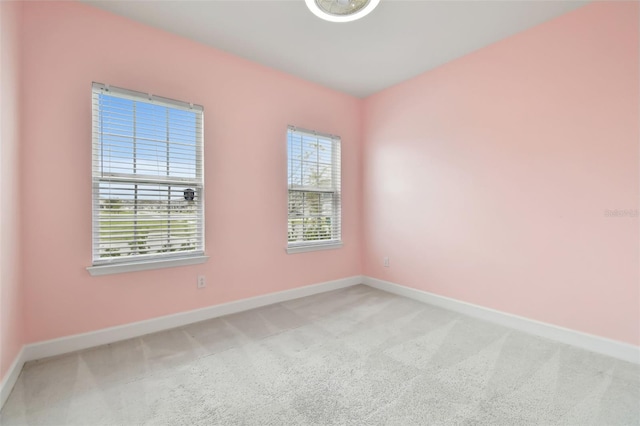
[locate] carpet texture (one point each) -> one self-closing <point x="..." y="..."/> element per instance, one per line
<point x="356" y="356"/>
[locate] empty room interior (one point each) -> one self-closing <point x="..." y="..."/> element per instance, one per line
<point x="318" y="212"/>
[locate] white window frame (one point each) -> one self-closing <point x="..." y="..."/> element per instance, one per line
<point x="335" y="241"/>
<point x="111" y="265"/>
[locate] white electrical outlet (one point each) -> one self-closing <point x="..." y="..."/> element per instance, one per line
<point x="201" y="281"/>
<point x="385" y="262"/>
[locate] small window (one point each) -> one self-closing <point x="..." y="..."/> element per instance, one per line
<point x="147" y="178"/>
<point x="314" y="191"/>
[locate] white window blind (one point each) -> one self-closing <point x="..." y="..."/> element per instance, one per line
<point x="147" y="177"/>
<point x="314" y="189"/>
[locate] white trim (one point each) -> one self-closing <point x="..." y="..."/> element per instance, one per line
<point x="62" y="345"/>
<point x="103" y="179"/>
<point x="11" y="376"/>
<point x="104" y="336"/>
<point x="34" y="351"/>
<point x="303" y="248"/>
<point x="590" y="342"/>
<point x="144" y="265"/>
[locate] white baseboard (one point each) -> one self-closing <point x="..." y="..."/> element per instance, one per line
<point x="39" y="350"/>
<point x="11" y="376"/>
<point x="34" y="351"/>
<point x="590" y="342"/>
<point x="104" y="336"/>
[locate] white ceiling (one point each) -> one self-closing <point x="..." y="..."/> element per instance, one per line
<point x="398" y="40"/>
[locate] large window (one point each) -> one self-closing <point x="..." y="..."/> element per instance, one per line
<point x="147" y="178"/>
<point x="314" y="190"/>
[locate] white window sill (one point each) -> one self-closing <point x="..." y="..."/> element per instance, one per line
<point x="145" y="265"/>
<point x="302" y="248"/>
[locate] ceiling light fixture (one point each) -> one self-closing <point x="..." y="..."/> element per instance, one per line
<point x="341" y="10"/>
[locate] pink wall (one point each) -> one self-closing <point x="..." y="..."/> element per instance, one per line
<point x="11" y="294"/>
<point x="486" y="180"/>
<point x="247" y="109"/>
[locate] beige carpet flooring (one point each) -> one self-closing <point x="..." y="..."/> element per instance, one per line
<point x="356" y="356"/>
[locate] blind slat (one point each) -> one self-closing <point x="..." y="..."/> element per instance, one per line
<point x="147" y="177"/>
<point x="314" y="183"/>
